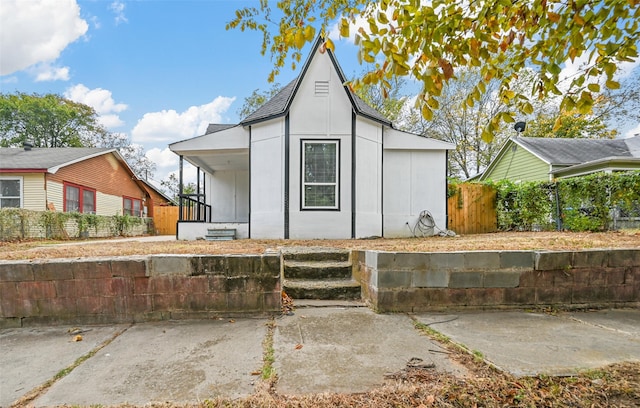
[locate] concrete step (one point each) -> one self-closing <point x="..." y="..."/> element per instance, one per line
<point x="322" y="289"/>
<point x="315" y="254"/>
<point x="341" y="303"/>
<point x="316" y="270"/>
<point x="220" y="234"/>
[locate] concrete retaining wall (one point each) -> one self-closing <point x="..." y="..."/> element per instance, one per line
<point x="158" y="287"/>
<point x="405" y="282"/>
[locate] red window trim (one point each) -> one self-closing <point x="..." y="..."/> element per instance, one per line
<point x="132" y="207"/>
<point x="81" y="196"/>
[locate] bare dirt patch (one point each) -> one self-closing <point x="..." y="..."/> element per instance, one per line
<point x="496" y="241"/>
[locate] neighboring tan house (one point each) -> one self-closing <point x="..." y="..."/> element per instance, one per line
<point x="85" y="180"/>
<point x="540" y="159"/>
<point x="314" y="162"/>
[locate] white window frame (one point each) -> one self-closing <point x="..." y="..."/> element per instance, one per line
<point x="304" y="183"/>
<point x="21" y="197"/>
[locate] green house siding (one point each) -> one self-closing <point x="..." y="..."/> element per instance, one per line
<point x="518" y="165"/>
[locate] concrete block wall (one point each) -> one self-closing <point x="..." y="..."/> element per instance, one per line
<point x="157" y="287"/>
<point x="411" y="282"/>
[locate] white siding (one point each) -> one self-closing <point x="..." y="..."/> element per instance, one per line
<point x="33" y="193"/>
<point x="108" y="205"/>
<point x="267" y="179"/>
<point x="368" y="178"/>
<point x="229" y="196"/>
<point x="55" y="195"/>
<point x="413" y="181"/>
<point x="321" y="117"/>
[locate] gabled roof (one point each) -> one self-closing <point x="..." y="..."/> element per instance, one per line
<point x="150" y="187"/>
<point x="279" y="105"/>
<point x="48" y="159"/>
<point x="562" y="151"/>
<point x="569" y="152"/>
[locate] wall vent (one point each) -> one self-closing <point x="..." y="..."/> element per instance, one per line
<point x="322" y="88"/>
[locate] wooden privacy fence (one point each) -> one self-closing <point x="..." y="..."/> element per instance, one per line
<point x="472" y="209"/>
<point x="165" y="219"/>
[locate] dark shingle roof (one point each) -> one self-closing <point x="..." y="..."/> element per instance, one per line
<point x="217" y="127"/>
<point x="45" y="158"/>
<point x="364" y="109"/>
<point x="279" y="104"/>
<point x="574" y="151"/>
<point x="275" y="106"/>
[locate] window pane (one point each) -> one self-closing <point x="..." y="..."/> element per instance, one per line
<point x="10" y="188"/>
<point x="9" y="203"/>
<point x="127" y="206"/>
<point x="73" y="199"/>
<point x="88" y="202"/>
<point x="136" y="207"/>
<point x="320" y="163"/>
<point x="320" y="196"/>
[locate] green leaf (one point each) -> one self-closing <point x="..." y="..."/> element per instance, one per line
<point x="594" y="87"/>
<point x="612" y="84"/>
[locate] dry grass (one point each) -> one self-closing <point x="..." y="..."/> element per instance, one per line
<point x="496" y="241"/>
<point x="613" y="386"/>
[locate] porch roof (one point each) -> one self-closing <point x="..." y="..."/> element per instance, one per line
<point x="225" y="148"/>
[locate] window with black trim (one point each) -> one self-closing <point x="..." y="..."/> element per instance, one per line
<point x="79" y="199"/>
<point x="132" y="206"/>
<point x="11" y="192"/>
<point x="320" y="174"/>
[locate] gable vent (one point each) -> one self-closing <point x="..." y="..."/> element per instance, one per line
<point x="322" y="87"/>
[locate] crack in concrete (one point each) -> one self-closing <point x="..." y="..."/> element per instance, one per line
<point x="42" y="388"/>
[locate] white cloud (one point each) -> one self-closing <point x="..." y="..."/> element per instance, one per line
<point x="37" y="31"/>
<point x="632" y="132"/>
<point x="626" y="69"/>
<point x="167" y="163"/>
<point x="99" y="99"/>
<point x="572" y="69"/>
<point x="47" y="72"/>
<point x="9" y="80"/>
<point x="163" y="158"/>
<point x="171" y="126"/>
<point x="110" y="121"/>
<point x="118" y="9"/>
<point x="95" y="22"/>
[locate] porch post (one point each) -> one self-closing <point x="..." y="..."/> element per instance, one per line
<point x="180" y="189"/>
<point x="446" y="189"/>
<point x="198" y="193"/>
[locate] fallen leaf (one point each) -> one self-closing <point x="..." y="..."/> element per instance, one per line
<point x="231" y="321"/>
<point x="256" y="372"/>
<point x="77" y="338"/>
<point x="298" y="346"/>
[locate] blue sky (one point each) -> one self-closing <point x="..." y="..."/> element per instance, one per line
<point x="158" y="71"/>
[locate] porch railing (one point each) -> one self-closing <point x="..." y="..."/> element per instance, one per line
<point x="192" y="208"/>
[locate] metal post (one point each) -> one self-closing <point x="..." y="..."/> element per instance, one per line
<point x="180" y="189"/>
<point x="198" y="194"/>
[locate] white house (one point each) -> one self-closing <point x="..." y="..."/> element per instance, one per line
<point x="314" y="162"/>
